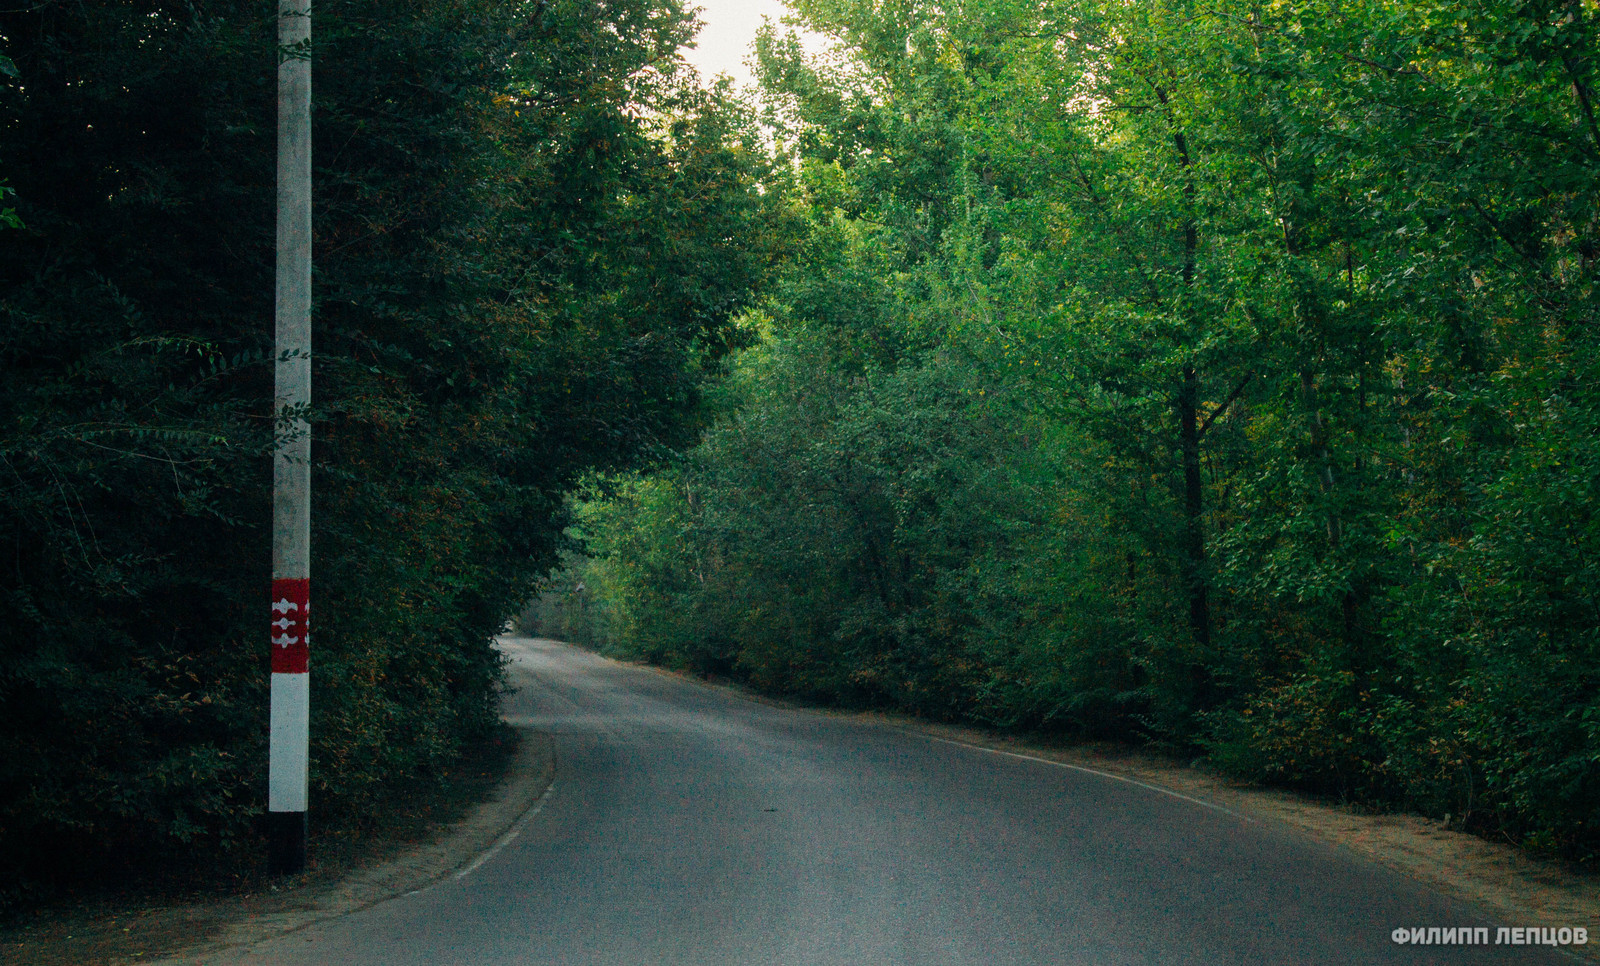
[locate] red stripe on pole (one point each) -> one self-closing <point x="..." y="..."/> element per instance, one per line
<point x="291" y="625"/>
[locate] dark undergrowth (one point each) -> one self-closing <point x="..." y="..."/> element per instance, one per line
<point x="113" y="907"/>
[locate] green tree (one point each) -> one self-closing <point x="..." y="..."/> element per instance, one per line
<point x="1290" y="309"/>
<point x="533" y="230"/>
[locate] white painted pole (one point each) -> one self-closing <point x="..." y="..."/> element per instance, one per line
<point x="288" y="749"/>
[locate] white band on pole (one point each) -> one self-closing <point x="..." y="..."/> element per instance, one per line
<point x="287" y="770"/>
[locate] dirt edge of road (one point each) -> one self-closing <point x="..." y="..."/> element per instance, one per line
<point x="527" y="778"/>
<point x="190" y="933"/>
<point x="1512" y="889"/>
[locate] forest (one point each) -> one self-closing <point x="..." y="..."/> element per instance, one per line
<point x="1219" y="377"/>
<point x="533" y="228"/>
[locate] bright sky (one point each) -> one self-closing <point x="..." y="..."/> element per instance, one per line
<point x="730" y="28"/>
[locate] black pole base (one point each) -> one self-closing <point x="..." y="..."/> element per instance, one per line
<point x="286" y="842"/>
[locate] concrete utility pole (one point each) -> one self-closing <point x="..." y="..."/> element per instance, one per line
<point x="287" y="772"/>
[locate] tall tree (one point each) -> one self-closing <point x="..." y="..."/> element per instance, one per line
<point x="533" y="230"/>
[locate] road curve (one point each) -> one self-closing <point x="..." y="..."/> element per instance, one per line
<point x="687" y="825"/>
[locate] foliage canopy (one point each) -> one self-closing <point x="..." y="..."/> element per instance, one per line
<point x="533" y="231"/>
<point x="1221" y="375"/>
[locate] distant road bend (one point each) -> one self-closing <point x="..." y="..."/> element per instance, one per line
<point x="690" y="826"/>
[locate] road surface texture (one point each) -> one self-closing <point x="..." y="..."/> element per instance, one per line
<point x="688" y="825"/>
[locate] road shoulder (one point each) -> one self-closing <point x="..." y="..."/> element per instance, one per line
<point x="528" y="777"/>
<point x="1513" y="889"/>
<point x="185" y="933"/>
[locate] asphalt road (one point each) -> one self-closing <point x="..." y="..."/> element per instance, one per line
<point x="687" y="825"/>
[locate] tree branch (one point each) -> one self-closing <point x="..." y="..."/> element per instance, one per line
<point x="1212" y="417"/>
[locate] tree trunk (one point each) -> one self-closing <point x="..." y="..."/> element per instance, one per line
<point x="1194" y="538"/>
